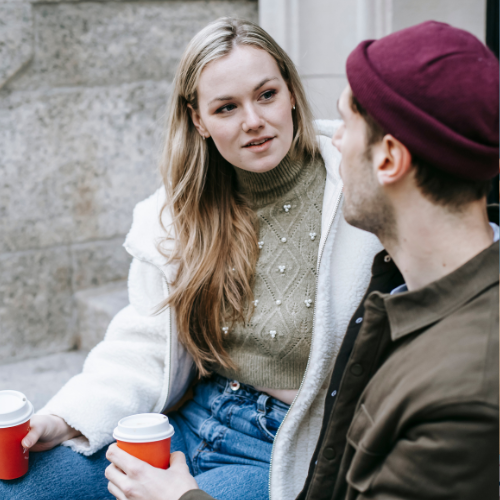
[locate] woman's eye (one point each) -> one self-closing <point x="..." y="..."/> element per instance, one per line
<point x="226" y="108"/>
<point x="268" y="94"/>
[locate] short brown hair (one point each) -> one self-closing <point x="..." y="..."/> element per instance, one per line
<point x="439" y="187"/>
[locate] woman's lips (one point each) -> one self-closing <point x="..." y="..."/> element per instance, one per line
<point x="258" y="148"/>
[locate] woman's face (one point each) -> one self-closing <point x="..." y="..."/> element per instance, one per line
<point x="245" y="106"/>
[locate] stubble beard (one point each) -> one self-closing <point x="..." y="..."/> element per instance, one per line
<point x="366" y="206"/>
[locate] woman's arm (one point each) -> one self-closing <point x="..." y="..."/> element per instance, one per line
<point x="125" y="373"/>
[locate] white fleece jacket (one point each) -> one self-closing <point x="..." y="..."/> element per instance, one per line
<point x="141" y="367"/>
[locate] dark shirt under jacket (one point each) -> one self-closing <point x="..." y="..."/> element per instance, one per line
<point x="385" y="278"/>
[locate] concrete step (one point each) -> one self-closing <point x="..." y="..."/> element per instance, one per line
<point x="40" y="378"/>
<point x="96" y="307"/>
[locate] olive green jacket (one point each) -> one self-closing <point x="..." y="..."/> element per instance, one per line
<point x="416" y="416"/>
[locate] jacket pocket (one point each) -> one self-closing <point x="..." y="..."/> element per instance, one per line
<point x="365" y="464"/>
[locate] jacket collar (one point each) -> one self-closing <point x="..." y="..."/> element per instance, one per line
<point x="412" y="311"/>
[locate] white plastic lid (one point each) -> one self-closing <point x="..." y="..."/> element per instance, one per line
<point x="15" y="409"/>
<point x="143" y="428"/>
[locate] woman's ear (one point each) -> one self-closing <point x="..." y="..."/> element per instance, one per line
<point x="198" y="122"/>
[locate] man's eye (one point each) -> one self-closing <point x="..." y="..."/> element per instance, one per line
<point x="226" y="108"/>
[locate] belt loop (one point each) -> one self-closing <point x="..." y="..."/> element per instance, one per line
<point x="262" y="403"/>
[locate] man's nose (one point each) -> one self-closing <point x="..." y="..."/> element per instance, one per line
<point x="252" y="119"/>
<point x="337" y="137"/>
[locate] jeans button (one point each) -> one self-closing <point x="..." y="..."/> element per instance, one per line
<point x="356" y="369"/>
<point x="235" y="385"/>
<point x="329" y="453"/>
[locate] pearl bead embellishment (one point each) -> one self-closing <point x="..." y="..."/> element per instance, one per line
<point x="255" y="302"/>
<point x="225" y="329"/>
<point x="278" y="302"/>
<point x="313" y="236"/>
<point x="283" y="240"/>
<point x="281" y="269"/>
<point x="287" y="208"/>
<point x="272" y="333"/>
<point x="261" y="244"/>
<point x="308" y="302"/>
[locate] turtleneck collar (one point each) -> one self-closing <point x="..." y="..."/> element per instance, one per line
<point x="264" y="188"/>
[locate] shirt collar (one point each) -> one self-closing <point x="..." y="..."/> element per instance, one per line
<point x="496" y="235"/>
<point x="411" y="311"/>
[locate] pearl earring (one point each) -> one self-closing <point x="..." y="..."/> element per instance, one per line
<point x="293" y="106"/>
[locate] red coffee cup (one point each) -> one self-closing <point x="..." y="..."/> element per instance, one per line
<point x="15" y="414"/>
<point x="147" y="437"/>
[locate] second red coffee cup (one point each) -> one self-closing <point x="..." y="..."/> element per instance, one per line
<point x="15" y="414"/>
<point x="147" y="437"/>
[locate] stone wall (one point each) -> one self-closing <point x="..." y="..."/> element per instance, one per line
<point x="83" y="92"/>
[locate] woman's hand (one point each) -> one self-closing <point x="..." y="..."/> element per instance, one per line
<point x="132" y="479"/>
<point x="46" y="432"/>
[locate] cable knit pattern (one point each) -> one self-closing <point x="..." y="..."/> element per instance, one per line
<point x="272" y="349"/>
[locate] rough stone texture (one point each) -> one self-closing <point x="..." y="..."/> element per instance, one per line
<point x="96" y="308"/>
<point x="39" y="379"/>
<point x="103" y="43"/>
<point x="81" y="122"/>
<point x="36" y="305"/>
<point x="16" y="39"/>
<point x="98" y="262"/>
<point x="74" y="162"/>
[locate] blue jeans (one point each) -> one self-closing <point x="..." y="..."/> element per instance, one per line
<point x="226" y="435"/>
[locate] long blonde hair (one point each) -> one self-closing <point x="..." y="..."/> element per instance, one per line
<point x="215" y="230"/>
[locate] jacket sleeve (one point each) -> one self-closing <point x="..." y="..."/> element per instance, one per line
<point x="449" y="454"/>
<point x="125" y="373"/>
<point x="196" y="495"/>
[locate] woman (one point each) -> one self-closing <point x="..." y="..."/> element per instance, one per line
<point x="244" y="271"/>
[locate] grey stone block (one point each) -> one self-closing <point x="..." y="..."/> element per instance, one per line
<point x="104" y="43"/>
<point x="16" y="39"/>
<point x="96" y="263"/>
<point x="96" y="308"/>
<point x="36" y="304"/>
<point x="40" y="378"/>
<point x="74" y="163"/>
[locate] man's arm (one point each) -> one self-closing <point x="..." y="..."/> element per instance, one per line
<point x="449" y="454"/>
<point x="196" y="495"/>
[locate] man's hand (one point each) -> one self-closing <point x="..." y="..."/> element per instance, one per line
<point x="132" y="479"/>
<point x="46" y="432"/>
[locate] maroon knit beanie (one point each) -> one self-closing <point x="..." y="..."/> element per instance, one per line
<point x="436" y="89"/>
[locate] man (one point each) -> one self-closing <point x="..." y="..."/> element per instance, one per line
<point x="412" y="411"/>
<point x="416" y="414"/>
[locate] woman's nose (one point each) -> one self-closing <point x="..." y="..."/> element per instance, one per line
<point x="252" y="120"/>
<point x="337" y="137"/>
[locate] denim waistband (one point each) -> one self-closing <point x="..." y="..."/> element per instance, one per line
<point x="246" y="391"/>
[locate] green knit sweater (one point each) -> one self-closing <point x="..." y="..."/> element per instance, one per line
<point x="272" y="349"/>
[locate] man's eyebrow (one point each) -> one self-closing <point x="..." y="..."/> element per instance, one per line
<point x="257" y="87"/>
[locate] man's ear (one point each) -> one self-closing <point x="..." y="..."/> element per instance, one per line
<point x="198" y="122"/>
<point x="391" y="160"/>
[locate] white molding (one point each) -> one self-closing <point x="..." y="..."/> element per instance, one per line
<point x="374" y="18"/>
<point x="281" y="19"/>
